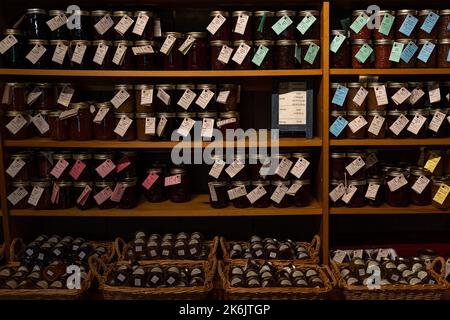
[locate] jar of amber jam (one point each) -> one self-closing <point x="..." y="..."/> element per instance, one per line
<point x="45" y="163"/>
<point x="128" y="105"/>
<point x="333" y="117"/>
<point x="57" y="46"/>
<point x="117" y="16"/>
<point x="423" y="198"/>
<point x="400" y="197"/>
<point x="333" y="87"/>
<point x="372" y="102"/>
<point x="262" y="25"/>
<point x="359" y="134"/>
<point x="296" y="156"/>
<point x="285" y="201"/>
<point x="443" y="60"/>
<point x="239" y="48"/>
<point x="302" y="197"/>
<point x="157" y="192"/>
<point x="129" y="199"/>
<point x="418" y="103"/>
<point x="422" y="34"/>
<point x="264" y="201"/>
<point x="392" y="89"/>
<point x="305" y="46"/>
<point x="357" y="44"/>
<point x="180" y="90"/>
<point x="228" y="120"/>
<point x="352" y="156"/>
<point x="165" y="100"/>
<point x="372" y="115"/>
<point x="100" y="161"/>
<point x="146" y="132"/>
<point x="23" y="194"/>
<point x="431" y="62"/>
<point x="242" y="201"/>
<point x="62" y="32"/>
<point x="13" y="57"/>
<point x="231" y="92"/>
<point x="16" y="97"/>
<point x="99" y="46"/>
<point x="84" y="28"/>
<point x="413" y="61"/>
<point x="35" y="24"/>
<point x="81" y="159"/>
<point x="127" y="62"/>
<point x="333" y="184"/>
<point x="23" y="129"/>
<point x="440" y="185"/>
<point x="267" y="62"/>
<point x="147" y="60"/>
<point x="81" y="124"/>
<point x="216" y="47"/>
<point x="145" y="90"/>
<point x="65" y="198"/>
<point x="99" y="187"/>
<point x="383" y="49"/>
<point x="358" y="199"/>
<point x="313" y="31"/>
<point x="337" y="165"/>
<point x="87" y="202"/>
<point x="148" y="31"/>
<point x="289" y="32"/>
<point x="285" y="54"/>
<point x="400" y="17"/>
<point x="126" y="166"/>
<point x="365" y="32"/>
<point x="174" y="60"/>
<point x="443" y="32"/>
<point x="224" y="32"/>
<point x="182" y="191"/>
<point x="63" y="156"/>
<point x="353" y="88"/>
<point x="380" y="15"/>
<point x="85" y="62"/>
<point x="340" y="58"/>
<point x="423" y="131"/>
<point x="379" y="198"/>
<point x="209" y="106"/>
<point x="129" y="133"/>
<point x="197" y="57"/>
<point x="247" y="35"/>
<point x="393" y="116"/>
<point x="218" y="196"/>
<point x="166" y="124"/>
<point x="44" y="60"/>
<point x="104" y="129"/>
<point x="44" y="202"/>
<point x="96" y="16"/>
<point x="26" y="171"/>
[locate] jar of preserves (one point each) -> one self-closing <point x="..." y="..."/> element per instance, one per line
<point x="442" y="130"/>
<point x="125" y="126"/>
<point x="18" y="194"/>
<point x="334" y="184"/>
<point x="81" y="124"/>
<point x="181" y="191"/>
<point x="174" y="59"/>
<point x="20" y="166"/>
<point x="365" y="32"/>
<point x="379" y="129"/>
<point x="45" y="100"/>
<point x="241" y="201"/>
<point x="82" y="49"/>
<point x="197" y="56"/>
<point x="146" y="126"/>
<point x="123" y="58"/>
<point x="440" y="193"/>
<point x="352" y="156"/>
<point x="413" y="101"/>
<point x="15" y="125"/>
<point x="146" y="59"/>
<point x="217" y="162"/>
<point x="358" y="199"/>
<point x="44" y="201"/>
<point x="104" y="121"/>
<point x="126" y="166"/>
<point x="262" y="23"/>
<point x="61" y="33"/>
<point x="282" y="165"/>
<point x="62" y="162"/>
<point x="147" y="32"/>
<point x="59" y="128"/>
<point x="216" y="47"/>
<point x="447" y="163"/>
<point x="35" y="24"/>
<point x="420" y="181"/>
<point x="182" y="116"/>
<point x="416" y="113"/>
<point x="337" y="165"/>
<point x="129" y="199"/>
<point x="381" y="34"/>
<point x="84" y="28"/>
<point x="309" y="56"/>
<point x="357" y="45"/>
<point x="39" y="129"/>
<point x="340" y="58"/>
<point x="397" y="189"/>
<point x="281" y="200"/>
<point x="83" y="194"/>
<point x="267" y="62"/>
<point x="302" y="196"/>
<point x="166" y="124"/>
<point x="64" y="198"/>
<point x="206" y="101"/>
<point x="285" y="54"/>
<point x="45" y="163"/>
<point x="104" y="166"/>
<point x="431" y="90"/>
<point x="228" y="97"/>
<point x="102" y="54"/>
<point x="395" y="116"/>
<point x="239" y="173"/>
<point x="427" y="60"/>
<point x="383" y="49"/>
<point x="378" y="199"/>
<point x="102" y="194"/>
<point x="372" y="102"/>
<point x="39" y="59"/>
<point x="82" y="168"/>
<point x="241" y="49"/>
<point x="59" y="51"/>
<point x="359" y="117"/>
<point x="144" y="98"/>
<point x="180" y="90"/>
<point x="13" y="57"/>
<point x="333" y="88"/>
<point x="413" y="60"/>
<point x="443" y="58"/>
<point x="333" y="117"/>
<point x="443" y="32"/>
<point x="302" y="156"/>
<point x="424" y="34"/>
<point x="289" y="32"/>
<point x="244" y="30"/>
<point x="165" y="100"/>
<point x="218" y="196"/>
<point x="392" y="89"/>
<point x="98" y="15"/>
<point x="264" y="200"/>
<point x="258" y="161"/>
<point x="128" y="106"/>
<point x="228" y="120"/>
<point x="224" y="31"/>
<point x="156" y="192"/>
<point x="58" y="90"/>
<point x="117" y="16"/>
<point x="14" y="93"/>
<point x="404" y="20"/>
<point x="313" y="32"/>
<point x="351" y="104"/>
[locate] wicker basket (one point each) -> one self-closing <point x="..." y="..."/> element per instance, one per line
<point x="121" y="247"/>
<point x="313" y="251"/>
<point x="395" y="291"/>
<point x="274" y="293"/>
<point x="101" y="271"/>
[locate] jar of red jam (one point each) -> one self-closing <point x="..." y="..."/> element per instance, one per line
<point x="104" y="128"/>
<point x="126" y="166"/>
<point x="416" y="103"/>
<point x="104" y="63"/>
<point x="180" y="192"/>
<point x="241" y="201"/>
<point x="19" y="192"/>
<point x="231" y="92"/>
<point x="101" y="186"/>
<point x="180" y="90"/>
<point x="87" y="201"/>
<point x="443" y="55"/>
<point x="372" y="115"/>
<point x="64" y="200"/>
<point x="400" y="197"/>
<point x="313" y="31"/>
<point x="45" y="163"/>
<point x="117" y="16"/>
<point x="85" y="62"/>
<point x="59" y="128"/>
<point x="21" y="120"/>
<point x="22" y="160"/>
<point x="357" y="44"/>
<point x="209" y="106"/>
<point x="302" y="197"/>
<point x="359" y="134"/>
<point x="157" y="192"/>
<point x="262" y="25"/>
<point x="247" y="30"/>
<point x="216" y="47"/>
<point x="423" y="198"/>
<point x="333" y="87"/>
<point x="431" y="62"/>
<point x="365" y="32"/>
<point x="44" y="60"/>
<point x="438" y="183"/>
<point x="337" y="165"/>
<point x="218" y="194"/>
<point x="224" y="32"/>
<point x="358" y="199"/>
<point x="340" y="58"/>
<point x="96" y="16"/>
<point x="83" y="160"/>
<point x="285" y="54"/>
<point x="13" y="57"/>
<point x="334" y="184"/>
<point x="16" y="97"/>
<point x="264" y="201"/>
<point x="267" y="62"/>
<point x="166" y="124"/>
<point x="352" y="156"/>
<point x="412" y="62"/>
<point x="129" y="199"/>
<point x="285" y="201"/>
<point x="174" y="60"/>
<point x="333" y="117"/>
<point x="228" y="120"/>
<point x="392" y="89"/>
<point x="100" y="161"/>
<point x="148" y="31"/>
<point x="81" y="124"/>
<point x="197" y="57"/>
<point x="165" y="100"/>
<point x="57" y="49"/>
<point x="380" y="16"/>
<point x="45" y="101"/>
<point x="128" y="132"/>
<point x="62" y="156"/>
<point x="239" y="48"/>
<point x="145" y="132"/>
<point x="443" y="32"/>
<point x="400" y="17"/>
<point x="44" y="202"/>
<point x="35" y="23"/>
<point x="257" y="161"/>
<point x="423" y="131"/>
<point x="305" y="47"/>
<point x="353" y="89"/>
<point x="128" y="106"/>
<point x="378" y="200"/>
<point x="147" y="60"/>
<point x="392" y="117"/>
<point x="305" y="155"/>
<point x="422" y="34"/>
<point x="289" y="32"/>
<point x="383" y="49"/>
<point x="127" y="62"/>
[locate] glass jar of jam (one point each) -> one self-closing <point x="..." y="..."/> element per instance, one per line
<point x="296" y="156"/>
<point x="443" y="60"/>
<point x="64" y="200"/>
<point x="337" y="165"/>
<point x="422" y="34"/>
<point x="165" y="100"/>
<point x="442" y="131"/>
<point x="58" y="88"/>
<point x="372" y="103"/>
<point x="333" y="87"/>
<point x="333" y="117"/>
<point x="157" y="192"/>
<point x="197" y="57"/>
<point x="127" y="62"/>
<point x="180" y="90"/>
<point x="20" y="134"/>
<point x="239" y="47"/>
<point x="44" y="202"/>
<point x="35" y="24"/>
<point x="353" y="88"/>
<point x="358" y="199"/>
<point x="333" y="184"/>
<point x="98" y="15"/>
<point x="147" y="60"/>
<point x="428" y="89"/>
<point x="62" y="156"/>
<point x="267" y="62"/>
<point x="45" y="101"/>
<point x="247" y="34"/>
<point x="383" y="49"/>
<point x="305" y="46"/>
<point x="210" y="106"/>
<point x="100" y="161"/>
<point x="365" y="32"/>
<point x="264" y="201"/>
<point x="423" y="198"/>
<point x="423" y="131"/>
<point x="218" y="194"/>
<point x="104" y="129"/>
<point x="61" y="33"/>
<point x="117" y="16"/>
<point x="340" y="58"/>
<point x="378" y="200"/>
<point x="16" y="97"/>
<point x="104" y="203"/>
<point x="352" y="156"/>
<point x="380" y="15"/>
<point x="431" y="62"/>
<point x="59" y="128"/>
<point x="447" y="163"/>
<point x="413" y="61"/>
<point x="285" y="201"/>
<point x="418" y="103"/>
<point x="26" y="170"/>
<point x="127" y="134"/>
<point x="182" y="191"/>
<point x="357" y="44"/>
<point x="166" y="124"/>
<point x="146" y="132"/>
<point x="148" y="32"/>
<point x="443" y="32"/>
<point x="21" y="196"/>
<point x="392" y="116"/>
<point x="262" y="25"/>
<point x="87" y="201"/>
<point x="216" y="47"/>
<point x="181" y="116"/>
<point x="244" y="173"/>
<point x="86" y="159"/>
<point x="215" y="175"/>
<point x="44" y="61"/>
<point x="392" y="89"/>
<point x="285" y="54"/>
<point x="438" y="190"/>
<point x="13" y="57"/>
<point x="231" y="103"/>
<point x="129" y="199"/>
<point x="257" y="161"/>
<point x="278" y="161"/>
<point x="359" y="134"/>
<point x="302" y="197"/>
<point x="126" y="166"/>
<point x="374" y="114"/>
<point x="45" y="163"/>
<point x="99" y="46"/>
<point x="128" y="105"/>
<point x="146" y="91"/>
<point x="56" y="46"/>
<point x="313" y="31"/>
<point x="289" y="32"/>
<point x="174" y="60"/>
<point x="81" y="124"/>
<point x="242" y="201"/>
<point x="83" y="29"/>
<point x="400" y="17"/>
<point x="224" y="32"/>
<point x="400" y="196"/>
<point x="228" y="120"/>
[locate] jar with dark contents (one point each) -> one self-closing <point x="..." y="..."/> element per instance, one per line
<point x="357" y="44"/>
<point x="443" y="32"/>
<point x="63" y="156"/>
<point x="334" y="184"/>
<point x="26" y="161"/>
<point x="83" y="29"/>
<point x="129" y="199"/>
<point x="418" y="103"/>
<point x="376" y="115"/>
<point x="241" y="201"/>
<point x="99" y="46"/>
<point x="104" y="129"/>
<point x="57" y="46"/>
<point x="127" y="60"/>
<point x="413" y="61"/>
<point x="381" y="15"/>
<point x="99" y="162"/>
<point x="174" y="59"/>
<point x="365" y="32"/>
<point x="416" y="113"/>
<point x="285" y="54"/>
<point x="303" y="155"/>
<point x="209" y="106"/>
<point x="239" y="48"/>
<point x="244" y="173"/>
<point x="400" y="17"/>
<point x="361" y="132"/>
<point x="224" y="32"/>
<point x="358" y="199"/>
<point x="438" y="156"/>
<point x="285" y="201"/>
<point x="123" y="133"/>
<point x="87" y="200"/>
<point x="340" y="58"/>
<point x="215" y="48"/>
<point x="43" y="61"/>
<point x="289" y="32"/>
<point x="21" y="191"/>
<point x="62" y="32"/>
<point x="104" y="203"/>
<point x="65" y="198"/>
<point x="350" y="105"/>
<point x="44" y="163"/>
<point x="264" y="201"/>
<point x="262" y="25"/>
<point x="180" y="192"/>
<point x="148" y="104"/>
<point x="165" y="100"/>
<point x="258" y="161"/>
<point x="443" y="60"/>
<point x="128" y="105"/>
<point x="267" y="62"/>
<point x="218" y="196"/>
<point x="337" y="165"/>
<point x="197" y="57"/>
<point x="372" y="102"/>
<point x="157" y="192"/>
<point x="33" y="129"/>
<point x="44" y="202"/>
<point x="81" y="159"/>
<point x="302" y="196"/>
<point x="424" y="197"/>
<point x="16" y="97"/>
<point x="247" y="34"/>
<point x="382" y="50"/>
<point x="313" y="32"/>
<point x="431" y="88"/>
<point x="180" y="90"/>
<point x="442" y="131"/>
<point x="117" y="16"/>
<point x="166" y="124"/>
<point x="148" y="32"/>
<point x="229" y="120"/>
<point x="126" y="166"/>
<point x="378" y="200"/>
<point x="392" y="89"/>
<point x="13" y="57"/>
<point x="215" y="175"/>
<point x="231" y="92"/>
<point x="147" y="60"/>
<point x="393" y="116"/>
<point x="23" y="129"/>
<point x="438" y="190"/>
<point x="35" y="24"/>
<point x="77" y="46"/>
<point x="400" y="197"/>
<point x="305" y="48"/>
<point x="335" y="115"/>
<point x="81" y="124"/>
<point x="422" y="34"/>
<point x="144" y="131"/>
<point x="431" y="61"/>
<point x="96" y="16"/>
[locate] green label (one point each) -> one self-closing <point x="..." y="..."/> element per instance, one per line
<point x="345" y="23"/>
<point x="306" y="23"/>
<point x="261" y="23"/>
<point x="260" y="54"/>
<point x="386" y="24"/>
<point x="396" y="52"/>
<point x="282" y="24"/>
<point x="337" y="42"/>
<point x="359" y="23"/>
<point x="298" y="53"/>
<point x="364" y="52"/>
<point x="311" y="54"/>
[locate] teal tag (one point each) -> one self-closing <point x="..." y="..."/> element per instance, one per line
<point x="311" y="54"/>
<point x="396" y="52"/>
<point x="359" y="23"/>
<point x="261" y="23"/>
<point x="338" y="126"/>
<point x="298" y="53"/>
<point x="306" y="23"/>
<point x="426" y="51"/>
<point x="282" y="24"/>
<point x="386" y="24"/>
<point x="364" y="52"/>
<point x="345" y="23"/>
<point x="260" y="54"/>
<point x="338" y="40"/>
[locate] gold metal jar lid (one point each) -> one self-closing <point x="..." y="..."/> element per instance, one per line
<point x="285" y="43"/>
<point x="122" y="13"/>
<point x="150" y="14"/>
<point x="405" y="12"/>
<point x="143" y="115"/>
<point x="262" y="13"/>
<point x="229" y="115"/>
<point x="42" y="42"/>
<point x="205" y="86"/>
<point x="217" y="12"/>
<point x="100" y="13"/>
<point x="282" y="13"/>
<point x="119" y="115"/>
<point x="219" y="43"/>
<point x="177" y="35"/>
<point x="185" y="86"/>
<point x="238" y="13"/>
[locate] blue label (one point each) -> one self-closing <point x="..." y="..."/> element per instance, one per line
<point x="448" y="26"/>
<point x="448" y="56"/>
<point x="339" y="96"/>
<point x="429" y="22"/>
<point x="408" y="25"/>
<point x="409" y="51"/>
<point x="426" y="51"/>
<point x="338" y="125"/>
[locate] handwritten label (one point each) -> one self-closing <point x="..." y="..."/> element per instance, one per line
<point x="225" y="54"/>
<point x="300" y="167"/>
<point x="416" y="123"/>
<point x="78" y="53"/>
<point x="282" y="24"/>
<point x="36" y="53"/>
<point x="283" y="167"/>
<point x="59" y="168"/>
<point x="399" y="124"/>
<point x="204" y="98"/>
<point x="105" y="168"/>
<point x="215" y="24"/>
<point x="100" y="54"/>
<point x="77" y="169"/>
<point x="35" y="196"/>
<point x="436" y="121"/>
<point x="40" y="123"/>
<point x="237" y="192"/>
<point x="119" y="98"/>
<point x="17" y="195"/>
<point x="186" y="99"/>
<point x="167" y="45"/>
<point x="15" y="167"/>
<point x="84" y="195"/>
<point x="235" y="167"/>
<point x="420" y="184"/>
<point x="279" y="193"/>
<point x="60" y="53"/>
<point x="104" y="24"/>
<point x="124" y="24"/>
<point x="150" y="180"/>
<point x="217" y="168"/>
<point x="141" y="23"/>
<point x="123" y="125"/>
<point x="103" y="195"/>
<point x="172" y="180"/>
<point x="397" y="182"/>
<point x="337" y="192"/>
<point x="256" y="194"/>
<point x="7" y="43"/>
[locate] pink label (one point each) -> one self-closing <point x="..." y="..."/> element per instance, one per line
<point x="77" y="169"/>
<point x="150" y="180"/>
<point x="172" y="180"/>
<point x="122" y="164"/>
<point x="84" y="195"/>
<point x="105" y="168"/>
<point x="59" y="168"/>
<point x="118" y="192"/>
<point x="103" y="195"/>
<point x="55" y="194"/>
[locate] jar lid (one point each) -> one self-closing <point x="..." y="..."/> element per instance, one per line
<point x="103" y="156"/>
<point x="64" y="183"/>
<point x="376" y="113"/>
<point x="289" y="13"/>
<point x="338" y="155"/>
<point x="123" y="87"/>
<point x="217" y="12"/>
<point x="177" y="35"/>
<point x="20" y="155"/>
<point x="405" y="12"/>
<point x="165" y="86"/>
<point x="281" y="182"/>
<point x="415" y="84"/>
<point x="54" y="113"/>
<point x="302" y="182"/>
<point x="124" y="114"/>
<point x="397" y="85"/>
<point x="238" y="13"/>
<point x="240" y="183"/>
<point x="196" y="34"/>
<point x="122" y="13"/>
<point x="301" y="155"/>
<point x="285" y="43"/>
<point x="356" y="154"/>
<point x="418" y="171"/>
<point x="356" y="113"/>
<point x="406" y="40"/>
<point x="44" y="182"/>
<point x="186" y="114"/>
<point x="147" y="43"/>
<point x="206" y="86"/>
<point x="423" y="112"/>
<point x="357" y="182"/>
<point x="423" y="41"/>
<point x="15" y="113"/>
<point x="43" y="112"/>
<point x="384" y="42"/>
<point x="81" y="156"/>
<point x="103" y="184"/>
<point x="147" y="13"/>
<point x="305" y="13"/>
<point x="264" y="13"/>
<point x="427" y="12"/>
<point x="36" y="10"/>
<point x="376" y="180"/>
<point x="434" y="111"/>
<point x="166" y="115"/>
<point x="144" y="115"/>
<point x="241" y="42"/>
<point x="143" y="86"/>
<point x="335" y="85"/>
<point x="14" y="32"/>
<point x="156" y="170"/>
<point x="432" y="83"/>
<point x="79" y="105"/>
<point x="356" y="13"/>
<point x="124" y="43"/>
<point x="82" y="184"/>
<point x="38" y="41"/>
<point x="178" y="170"/>
<point x="444" y="41"/>
<point x="55" y="12"/>
<point x="261" y="183"/>
<point x="18" y="183"/>
<point x="105" y="104"/>
<point x="104" y="42"/>
<point x="437" y="181"/>
<point x="361" y="41"/>
<point x="207" y="114"/>
<point x="85" y="42"/>
<point x="396" y="172"/>
<point x="99" y="13"/>
<point x="185" y="86"/>
<point x="309" y="41"/>
<point x="444" y="12"/>
<point x="336" y="182"/>
<point x="228" y="86"/>
<point x="337" y="113"/>
<point x="16" y="84"/>
<point x="128" y="182"/>
<point x="339" y="32"/>
<point x="396" y="112"/>
<point x="280" y="155"/>
<point x="56" y="42"/>
<point x="219" y="43"/>
<point x="218" y="183"/>
<point x="62" y="156"/>
<point x="375" y="84"/>
<point x="228" y="115"/>
<point x="79" y="13"/>
<point x="356" y="85"/>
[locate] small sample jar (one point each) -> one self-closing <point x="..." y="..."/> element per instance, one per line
<point x="289" y="32"/>
<point x="127" y="62"/>
<point x="63" y="156"/>
<point x="436" y="185"/>
<point x="117" y="16"/>
<point x="45" y="163"/>
<point x="432" y="60"/>
<point x="216" y="47"/>
<point x="157" y="192"/>
<point x="392" y="89"/>
<point x="442" y="131"/>
<point x="129" y="198"/>
<point x="361" y="133"/>
<point x="174" y="60"/>
<point x="129" y="104"/>
<point x="333" y="184"/>
<point x="247" y="35"/>
<point x="160" y="104"/>
<point x="286" y="200"/>
<point x="365" y="32"/>
<point x="228" y="120"/>
<point x="285" y="54"/>
<point x="372" y="103"/>
<point x="304" y="48"/>
<point x="17" y="96"/>
<point x="81" y="124"/>
<point x="141" y="120"/>
<point x="443" y="53"/>
<point x="357" y="44"/>
<point x="358" y="200"/>
<point x="59" y="128"/>
<point x="107" y="60"/>
<point x="13" y="57"/>
<point x="400" y="17"/>
<point x="334" y="115"/>
<point x="242" y="201"/>
<point x="337" y="165"/>
<point x="262" y="25"/>
<point x="197" y="57"/>
<point x="56" y="45"/>
<point x="99" y="186"/>
<point x="341" y="58"/>
<point x="302" y="198"/>
<point x="422" y="34"/>
<point x="380" y="15"/>
<point x="104" y="130"/>
<point x="413" y="61"/>
<point x="353" y="88"/>
<point x="399" y="197"/>
<point x="86" y="158"/>
<point x="130" y="133"/>
<point x="352" y="156"/>
<point x="379" y="198"/>
<point x="302" y="155"/>
<point x="96" y="16"/>
<point x="224" y="32"/>
<point x="26" y="172"/>
<point x="382" y="50"/>
<point x="218" y="196"/>
<point x="424" y="198"/>
<point x="247" y="62"/>
<point x="62" y="32"/>
<point x="333" y="87"/>
<point x="166" y="124"/>
<point x="99" y="159"/>
<point x="123" y="170"/>
<point x="23" y="132"/>
<point x="44" y="202"/>
<point x="264" y="201"/>
<point x="423" y="131"/>
<point x="267" y="63"/>
<point x="148" y="33"/>
<point x="65" y="198"/>
<point x="371" y="115"/>
<point x="78" y="188"/>
<point x="443" y="32"/>
<point x="313" y="31"/>
<point x="35" y="24"/>
<point x="244" y="173"/>
<point x="44" y="60"/>
<point x="211" y="106"/>
<point x="392" y="116"/>
<point x="84" y="28"/>
<point x="232" y="101"/>
<point x="23" y="203"/>
<point x="146" y="107"/>
<point x="180" y="89"/>
<point x="181" y="192"/>
<point x="147" y="61"/>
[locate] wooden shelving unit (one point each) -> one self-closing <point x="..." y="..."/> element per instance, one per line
<point x="390" y="142"/>
<point x="387" y="210"/>
<point x="392" y="72"/>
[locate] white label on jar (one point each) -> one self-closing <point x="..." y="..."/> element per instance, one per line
<point x="279" y="193"/>
<point x="237" y="192"/>
<point x="420" y="184"/>
<point x="381" y="95"/>
<point x="339" y="256"/>
<point x="33" y="95"/>
<point x="401" y="95"/>
<point x="123" y="125"/>
<point x="225" y="54"/>
<point x="256" y="193"/>
<point x="137" y="282"/>
<point x="100" y="54"/>
<point x="103" y="195"/>
<point x="119" y="54"/>
<point x="7" y="43"/>
<point x="416" y="123"/>
<point x="140" y="24"/>
<point x="360" y="96"/>
<point x="150" y="125"/>
<point x="355" y="166"/>
<point x="161" y="126"/>
<point x="186" y="99"/>
<point x="300" y="167"/>
<point x="337" y="192"/>
<point x="416" y="94"/>
<point x="146" y="97"/>
<point x="57" y="21"/>
<point x="234" y="168"/>
<point x="68" y="113"/>
<point x="78" y="53"/>
<point x="225" y="122"/>
<point x="187" y="44"/>
<point x="15" y="167"/>
<point x="124" y="24"/>
<point x="241" y="53"/>
<point x="436" y="122"/>
<point x="376" y="125"/>
<point x="447" y="268"/>
<point x="104" y="24"/>
<point x="399" y="124"/>
<point x="100" y="114"/>
<point x="217" y="168"/>
<point x="212" y="192"/>
<point x="17" y="195"/>
<point x="60" y="53"/>
<point x="284" y="167"/>
<point x="66" y="96"/>
<point x="186" y="126"/>
<point x="223" y="96"/>
<point x="168" y="44"/>
<point x="215" y="24"/>
<point x="120" y="97"/>
<point x="36" y="53"/>
<point x="435" y="95"/>
<point x="241" y="24"/>
<point x="204" y="98"/>
<point x="137" y="51"/>
<point x="17" y="123"/>
<point x="163" y="96"/>
<point x="35" y="195"/>
<point x="121" y="277"/>
<point x="207" y="128"/>
<point x="372" y="191"/>
<point x="397" y="183"/>
<point x="349" y="193"/>
<point x="357" y="123"/>
<point x="40" y="123"/>
<point x="294" y="189"/>
<point x="371" y="160"/>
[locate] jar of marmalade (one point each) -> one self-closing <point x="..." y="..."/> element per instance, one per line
<point x="104" y="129"/>
<point x="144" y="91"/>
<point x="285" y="54"/>
<point x="127" y="61"/>
<point x="157" y="192"/>
<point x="242" y="201"/>
<point x="224" y="32"/>
<point x="361" y="132"/>
<point x="45" y="163"/>
<point x="262" y="25"/>
<point x="392" y="117"/>
<point x="372" y="115"/>
<point x="197" y="57"/>
<point x="99" y="187"/>
<point x="146" y="126"/>
<point x="85" y="62"/>
<point x="81" y="123"/>
<point x="44" y="60"/>
<point x="63" y="156"/>
<point x="419" y="103"/>
<point x="392" y="89"/>
<point x="59" y="128"/>
<point x="313" y="31"/>
<point x="44" y="202"/>
<point x="166" y="124"/>
<point x="424" y="197"/>
<point x="400" y="17"/>
<point x="285" y="201"/>
<point x="147" y="60"/>
<point x="380" y="15"/>
<point x="56" y="47"/>
<point x="365" y="32"/>
<point x="442" y="131"/>
<point x="216" y="48"/>
<point x="98" y="15"/>
<point x="350" y="104"/>
<point x="302" y="197"/>
<point x="438" y="190"/>
<point x="16" y="96"/>
<point x="267" y="62"/>
<point x="13" y="57"/>
<point x="296" y="156"/>
<point x="305" y="45"/>
<point x="218" y="196"/>
<point x="264" y="201"/>
<point x="128" y="105"/>
<point x="443" y="32"/>
<point x="247" y="35"/>
<point x="383" y="49"/>
<point x="126" y="166"/>
<point x="423" y="131"/>
<point x="45" y="101"/>
<point x="165" y="100"/>
<point x="87" y="201"/>
<point x="333" y="117"/>
<point x="358" y="199"/>
<point x="352" y="156"/>
<point x="399" y="197"/>
<point x="86" y="159"/>
<point x="180" y="192"/>
<point x="372" y="102"/>
<point x="180" y="90"/>
<point x="174" y="60"/>
<point x="333" y="184"/>
<point x="333" y="88"/>
<point x="210" y="106"/>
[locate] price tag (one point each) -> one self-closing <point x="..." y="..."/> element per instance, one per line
<point x="311" y="54"/>
<point x="376" y="125"/>
<point x="338" y="126"/>
<point x="123" y="125"/>
<point x="425" y="53"/>
<point x="66" y="96"/>
<point x="207" y="128"/>
<point x="55" y="194"/>
<point x="15" y="167"/>
<point x="204" y="98"/>
<point x="399" y="124"/>
<point x="163" y="96"/>
<point x="356" y="124"/>
<point x="339" y="256"/>
<point x="363" y="53"/>
<point x="339" y="95"/>
<point x="172" y="180"/>
<point x="141" y="50"/>
<point x="187" y="44"/>
<point x="103" y="195"/>
<point x="442" y="194"/>
<point x="223" y="97"/>
<point x="436" y="121"/>
<point x="225" y="54"/>
<point x="77" y="169"/>
<point x="416" y="123"/>
<point x="396" y="52"/>
<point x="279" y="193"/>
<point x="284" y="167"/>
<point x="282" y="24"/>
<point x="57" y="22"/>
<point x="35" y="196"/>
<point x="7" y="43"/>
<point x="347" y="197"/>
<point x="386" y="24"/>
<point x="337" y="192"/>
<point x="381" y="95"/>
<point x="68" y="113"/>
<point x="435" y="95"/>
<point x="430" y="22"/>
<point x="146" y="97"/>
<point x="217" y="168"/>
<point x="186" y="99"/>
<point x="161" y="126"/>
<point x="104" y="25"/>
<point x="294" y="188"/>
<point x="241" y="53"/>
<point x="360" y="96"/>
<point x="78" y="53"/>
<point x="432" y="162"/>
<point x="17" y="123"/>
<point x="371" y="160"/>
<point x="408" y="25"/>
<point x="105" y="168"/>
<point x="215" y="24"/>
<point x="84" y="195"/>
<point x="186" y="126"/>
<point x="372" y="191"/>
<point x="168" y="44"/>
<point x="119" y="98"/>
<point x="124" y="24"/>
<point x="100" y="114"/>
<point x="234" y="168"/>
<point x="237" y="192"/>
<point x="420" y="184"/>
<point x="123" y="163"/>
<point x="117" y="194"/>
<point x="40" y="123"/>
<point x="157" y="28"/>
<point x="212" y="192"/>
<point x="416" y="94"/>
<point x="300" y="167"/>
<point x="409" y="51"/>
<point x="119" y="54"/>
<point x="100" y="54"/>
<point x="306" y="23"/>
<point x="59" y="168"/>
<point x="260" y="54"/>
<point x="150" y="180"/>
<point x="141" y="23"/>
<point x="17" y="195"/>
<point x="241" y="24"/>
<point x="359" y="23"/>
<point x="337" y="42"/>
<point x="150" y="125"/>
<point x="256" y="194"/>
<point x="355" y="166"/>
<point x="397" y="183"/>
<point x="36" y="53"/>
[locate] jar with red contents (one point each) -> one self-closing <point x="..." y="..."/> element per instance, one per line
<point x="104" y="129"/>
<point x="15" y="95"/>
<point x="381" y="15"/>
<point x="392" y="116"/>
<point x="239" y="48"/>
<point x="267" y="63"/>
<point x="443" y="53"/>
<point x="62" y="156"/>
<point x="127" y="62"/>
<point x="442" y="24"/>
<point x="59" y="128"/>
<point x="423" y="198"/>
<point x="365" y="32"/>
<point x="224" y="32"/>
<point x="197" y="57"/>
<point x="157" y="192"/>
<point x="129" y="199"/>
<point x="85" y="62"/>
<point x="392" y="89"/>
<point x="100" y="159"/>
<point x="372" y="102"/>
<point x="126" y="166"/>
<point x="87" y="202"/>
<point x="181" y="192"/>
<point x="97" y="47"/>
<point x="147" y="60"/>
<point x="422" y="34"/>
<point x="81" y="124"/>
<point x="289" y="32"/>
<point x="98" y="15"/>
<point x="45" y="163"/>
<point x="44" y="60"/>
<point x="236" y="15"/>
<point x="262" y="25"/>
<point x="148" y="32"/>
<point x="45" y="101"/>
<point x="313" y="31"/>
<point x="35" y="131"/>
<point x="337" y="165"/>
<point x="334" y="115"/>
<point x="228" y="120"/>
<point x="58" y="88"/>
<point x="432" y="59"/>
<point x="130" y="132"/>
<point x="305" y="46"/>
<point x="357" y="44"/>
<point x="22" y="121"/>
<point x="400" y="197"/>
<point x="423" y="131"/>
<point x="99" y="187"/>
<point x="340" y="59"/>
<point x="285" y="201"/>
<point x="382" y="50"/>
<point x="83" y="159"/>
<point x="264" y="201"/>
<point x="23" y="194"/>
<point x="26" y="171"/>
<point x="242" y="201"/>
<point x="174" y="59"/>
<point x="117" y="16"/>
<point x="285" y="54"/>
<point x="413" y="61"/>
<point x="333" y="87"/>
<point x="44" y="202"/>
<point x="56" y="46"/>
<point x="400" y="17"/>
<point x="216" y="47"/>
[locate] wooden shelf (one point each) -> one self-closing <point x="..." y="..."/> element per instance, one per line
<point x="385" y="209"/>
<point x="398" y="71"/>
<point x="198" y="207"/>
<point x="159" y="73"/>
<point x="391" y="142"/>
